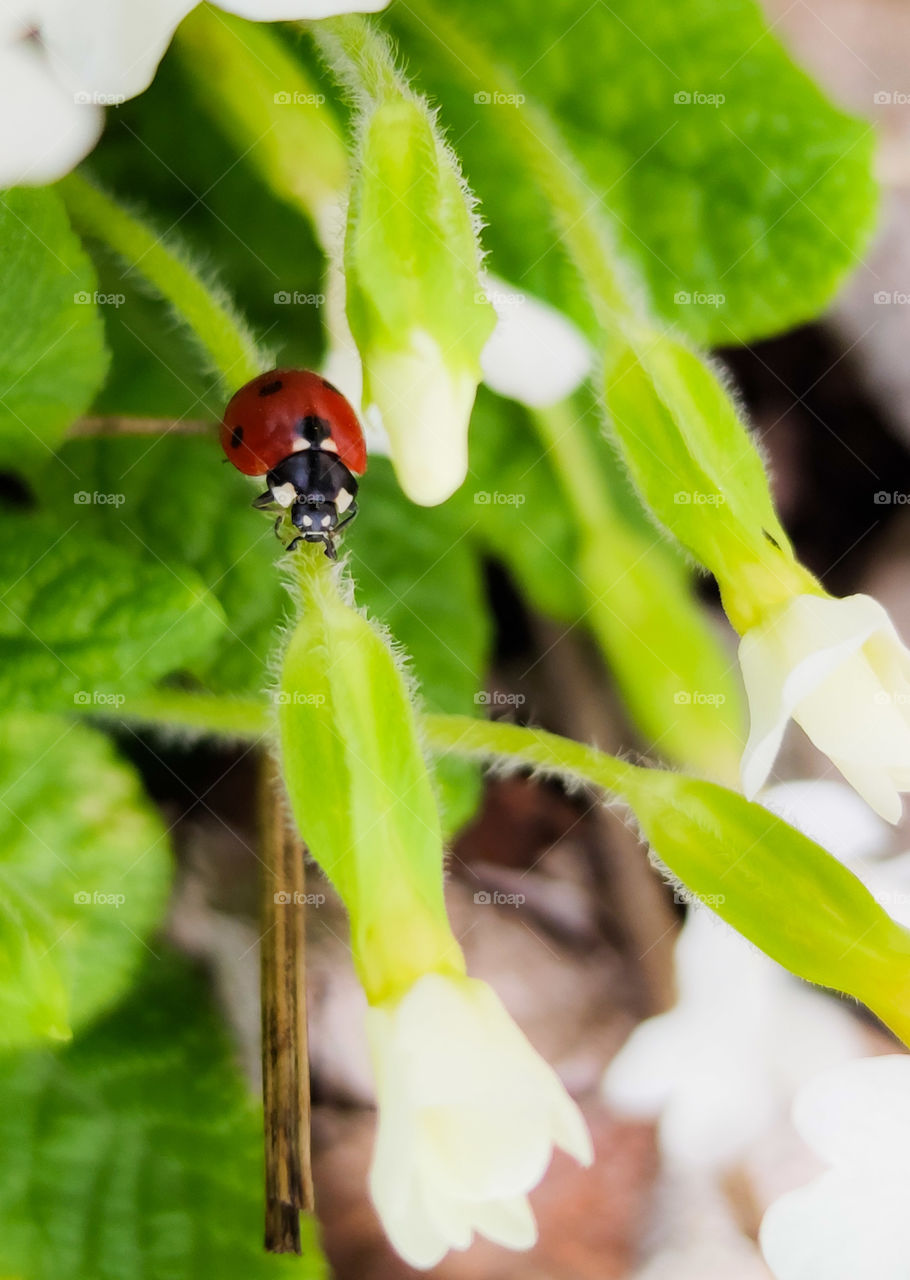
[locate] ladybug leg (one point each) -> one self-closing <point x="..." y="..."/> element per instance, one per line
<point x="266" y="502"/>
<point x="280" y="530"/>
<point x="347" y="517"/>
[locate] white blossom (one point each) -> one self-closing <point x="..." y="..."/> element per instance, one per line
<point x="535" y="354"/>
<point x="840" y="670"/>
<point x="852" y="1220"/>
<point x="745" y="1035"/>
<point x="718" y="1068"/>
<point x="62" y="61"/>
<point x="469" y="1114"/>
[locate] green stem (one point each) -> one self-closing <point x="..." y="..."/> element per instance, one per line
<point x="205" y="311"/>
<point x="360" y="56"/>
<point x="280" y="122"/>
<point x="249" y="719"/>
<point x="641" y="610"/>
<point x="204" y="713"/>
<point x="575" y="208"/>
<point x="494" y="739"/>
<point x="571" y="454"/>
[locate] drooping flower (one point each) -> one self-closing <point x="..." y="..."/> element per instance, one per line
<point x="61" y="61"/>
<point x="535" y="355"/>
<point x="468" y="1112"/>
<point x="415" y="304"/>
<point x="852" y="1220"/>
<point x="744" y="1035"/>
<point x="424" y="405"/>
<point x="839" y="668"/>
<point x="469" y="1115"/>
<point x="718" y="1067"/>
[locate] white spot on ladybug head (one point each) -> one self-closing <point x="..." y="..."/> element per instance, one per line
<point x="326" y="521"/>
<point x="299" y="445"/>
<point x="328" y="445"/>
<point x="284" y="494"/>
<point x="307" y="520"/>
<point x="343" y="501"/>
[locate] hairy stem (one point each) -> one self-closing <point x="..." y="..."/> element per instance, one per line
<point x="217" y="329"/>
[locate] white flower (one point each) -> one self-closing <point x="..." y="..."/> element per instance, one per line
<point x="61" y="61"/>
<point x="424" y="408"/>
<point x="469" y="1115"/>
<point x="727" y="1058"/>
<point x="853" y="1220"/>
<point x="535" y="354"/>
<point x="838" y="668"/>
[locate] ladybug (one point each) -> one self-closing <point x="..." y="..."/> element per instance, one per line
<point x="297" y="430"/>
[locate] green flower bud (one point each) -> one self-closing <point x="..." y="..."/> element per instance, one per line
<point x="415" y="302"/>
<point x="359" y="788"/>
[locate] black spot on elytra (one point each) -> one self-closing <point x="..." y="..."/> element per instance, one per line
<point x="314" y="429"/>
<point x="237" y="437"/>
<point x="270" y="388"/>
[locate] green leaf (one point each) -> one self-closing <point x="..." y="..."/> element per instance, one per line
<point x="185" y="512"/>
<point x="85" y="619"/>
<point x="755" y="208"/>
<point x="137" y="1151"/>
<point x="418" y="573"/>
<point x="84" y="876"/>
<point x="415" y="572"/>
<point x="52" y="357"/>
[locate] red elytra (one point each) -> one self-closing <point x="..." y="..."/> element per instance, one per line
<point x="284" y="411"/>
